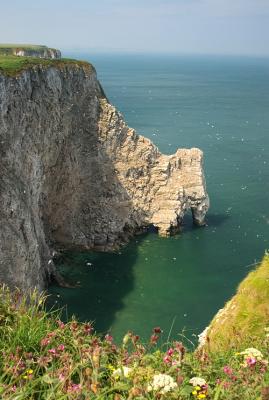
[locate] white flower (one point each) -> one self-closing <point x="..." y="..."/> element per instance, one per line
<point x="196" y="381"/>
<point x="122" y="371"/>
<point x="253" y="353"/>
<point x="162" y="383"/>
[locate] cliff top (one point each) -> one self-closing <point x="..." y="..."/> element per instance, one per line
<point x="13" y="65"/>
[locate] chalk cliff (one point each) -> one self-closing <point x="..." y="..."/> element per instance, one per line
<point x="74" y="175"/>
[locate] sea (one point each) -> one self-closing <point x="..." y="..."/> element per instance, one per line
<point x="221" y="105"/>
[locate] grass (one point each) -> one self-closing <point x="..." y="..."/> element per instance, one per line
<point x="245" y="315"/>
<point x="43" y="358"/>
<point x="13" y="65"/>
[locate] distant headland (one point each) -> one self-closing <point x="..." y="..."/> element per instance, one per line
<point x="26" y="50"/>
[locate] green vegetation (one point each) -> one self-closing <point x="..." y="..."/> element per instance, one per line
<point x="44" y="358"/>
<point x="244" y="317"/>
<point x="13" y="65"/>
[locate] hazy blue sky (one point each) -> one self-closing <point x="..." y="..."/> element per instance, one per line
<point x="178" y="26"/>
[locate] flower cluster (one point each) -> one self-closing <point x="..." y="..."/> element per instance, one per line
<point x="200" y="387"/>
<point x="162" y="383"/>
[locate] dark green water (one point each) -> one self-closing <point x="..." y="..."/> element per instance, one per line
<point x="220" y="105"/>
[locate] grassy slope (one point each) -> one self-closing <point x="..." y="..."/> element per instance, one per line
<point x="13" y="65"/>
<point x="244" y="317"/>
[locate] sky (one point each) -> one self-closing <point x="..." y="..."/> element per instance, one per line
<point x="239" y="27"/>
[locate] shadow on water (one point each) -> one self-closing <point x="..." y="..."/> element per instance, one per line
<point x="101" y="280"/>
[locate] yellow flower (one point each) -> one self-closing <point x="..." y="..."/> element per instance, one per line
<point x="109" y="366"/>
<point x="194" y="392"/>
<point x="197" y="388"/>
<point x="29" y="371"/>
<point x="201" y="396"/>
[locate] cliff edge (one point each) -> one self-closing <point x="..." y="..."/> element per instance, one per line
<point x="244" y="320"/>
<point x="74" y="175"/>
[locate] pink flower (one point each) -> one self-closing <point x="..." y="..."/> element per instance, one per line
<point x="60" y="347"/>
<point x="88" y="328"/>
<point x="167" y="360"/>
<point x="227" y="370"/>
<point x="226" y="384"/>
<point x="61" y="377"/>
<point x="251" y="361"/>
<point x="45" y="342"/>
<point x="109" y="338"/>
<point x="154" y="339"/>
<point x="170" y="352"/>
<point x="74" y="387"/>
<point x="52" y="351"/>
<point x="60" y="324"/>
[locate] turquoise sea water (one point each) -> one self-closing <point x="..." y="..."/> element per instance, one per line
<point x="222" y="106"/>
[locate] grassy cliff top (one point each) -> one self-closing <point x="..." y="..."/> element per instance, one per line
<point x="245" y="318"/>
<point x="13" y="65"/>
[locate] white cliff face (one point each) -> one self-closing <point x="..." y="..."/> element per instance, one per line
<point x="74" y="175"/>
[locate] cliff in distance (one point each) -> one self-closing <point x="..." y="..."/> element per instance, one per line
<point x="74" y="175"/>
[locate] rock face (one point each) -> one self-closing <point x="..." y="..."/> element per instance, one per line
<point x="31" y="51"/>
<point x="74" y="175"/>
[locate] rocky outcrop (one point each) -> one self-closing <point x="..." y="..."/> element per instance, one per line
<point x="31" y="51"/>
<point x="74" y="175"/>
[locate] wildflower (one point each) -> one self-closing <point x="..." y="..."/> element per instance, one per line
<point x="122" y="372"/>
<point x="74" y="387"/>
<point x="61" y="377"/>
<point x="60" y="324"/>
<point x="135" y="339"/>
<point x="154" y="339"/>
<point x="227" y="370"/>
<point x="60" y="347"/>
<point x="167" y="359"/>
<point x="52" y="351"/>
<point x="170" y="352"/>
<point x="88" y="328"/>
<point x="196" y="381"/>
<point x="44" y="342"/>
<point x="251" y="361"/>
<point x="252" y="352"/>
<point x="28" y="375"/>
<point x="162" y="383"/>
<point x="109" y="338"/>
<point x="157" y="330"/>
